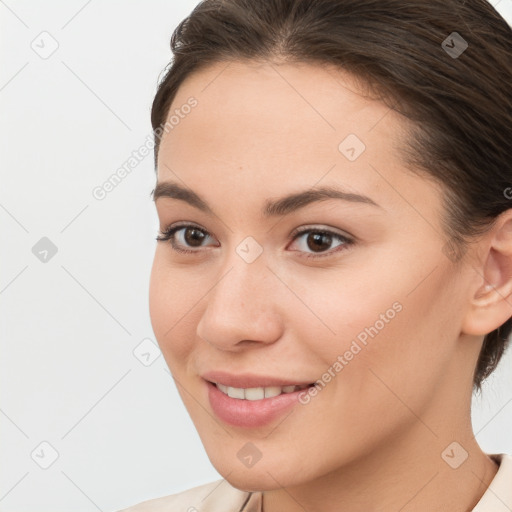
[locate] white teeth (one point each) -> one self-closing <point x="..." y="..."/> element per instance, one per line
<point x="272" y="391"/>
<point x="257" y="393"/>
<point x="254" y="393"/>
<point x="223" y="388"/>
<point x="236" y="392"/>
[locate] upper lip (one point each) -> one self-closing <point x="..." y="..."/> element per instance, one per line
<point x="250" y="380"/>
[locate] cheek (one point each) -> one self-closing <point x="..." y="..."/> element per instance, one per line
<point x="171" y="302"/>
<point x="347" y="314"/>
<point x="395" y="316"/>
<point x="396" y="346"/>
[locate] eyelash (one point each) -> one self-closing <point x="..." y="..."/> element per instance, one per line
<point x="167" y="235"/>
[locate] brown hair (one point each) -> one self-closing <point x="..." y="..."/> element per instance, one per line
<point x="407" y="54"/>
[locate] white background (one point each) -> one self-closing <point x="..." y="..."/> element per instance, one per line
<point x="69" y="326"/>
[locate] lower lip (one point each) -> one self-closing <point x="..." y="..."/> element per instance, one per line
<point x="249" y="413"/>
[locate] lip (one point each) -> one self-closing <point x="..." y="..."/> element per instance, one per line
<point x="250" y="380"/>
<point x="249" y="413"/>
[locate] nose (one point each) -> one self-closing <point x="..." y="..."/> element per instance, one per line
<point x="243" y="308"/>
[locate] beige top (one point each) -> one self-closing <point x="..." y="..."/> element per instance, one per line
<point x="220" y="496"/>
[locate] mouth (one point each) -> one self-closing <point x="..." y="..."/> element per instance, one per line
<point x="252" y="407"/>
<point x="258" y="393"/>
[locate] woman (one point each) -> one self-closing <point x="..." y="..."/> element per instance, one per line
<point x="333" y="275"/>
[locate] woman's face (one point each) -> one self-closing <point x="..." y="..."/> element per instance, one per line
<point x="375" y="317"/>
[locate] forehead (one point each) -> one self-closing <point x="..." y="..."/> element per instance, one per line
<point x="243" y="105"/>
<point x="261" y="98"/>
<point x="265" y="128"/>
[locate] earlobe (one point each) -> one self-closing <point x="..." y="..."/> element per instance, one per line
<point x="491" y="302"/>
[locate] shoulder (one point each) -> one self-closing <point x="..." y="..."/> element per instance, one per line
<point x="498" y="496"/>
<point x="217" y="496"/>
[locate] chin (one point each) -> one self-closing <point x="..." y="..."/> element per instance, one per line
<point x="254" y="482"/>
<point x="261" y="477"/>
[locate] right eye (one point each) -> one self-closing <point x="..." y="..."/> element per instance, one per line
<point x="190" y="235"/>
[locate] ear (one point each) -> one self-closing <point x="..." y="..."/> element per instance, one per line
<point x="491" y="296"/>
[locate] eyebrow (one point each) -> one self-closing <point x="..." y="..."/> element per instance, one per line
<point x="273" y="208"/>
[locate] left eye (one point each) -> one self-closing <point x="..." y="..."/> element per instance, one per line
<point x="192" y="236"/>
<point x="319" y="239"/>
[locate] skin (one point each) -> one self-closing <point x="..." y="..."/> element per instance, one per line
<point x="373" y="438"/>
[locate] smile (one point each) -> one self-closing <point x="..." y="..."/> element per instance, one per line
<point x="257" y="393"/>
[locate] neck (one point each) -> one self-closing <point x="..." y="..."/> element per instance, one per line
<point x="408" y="474"/>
